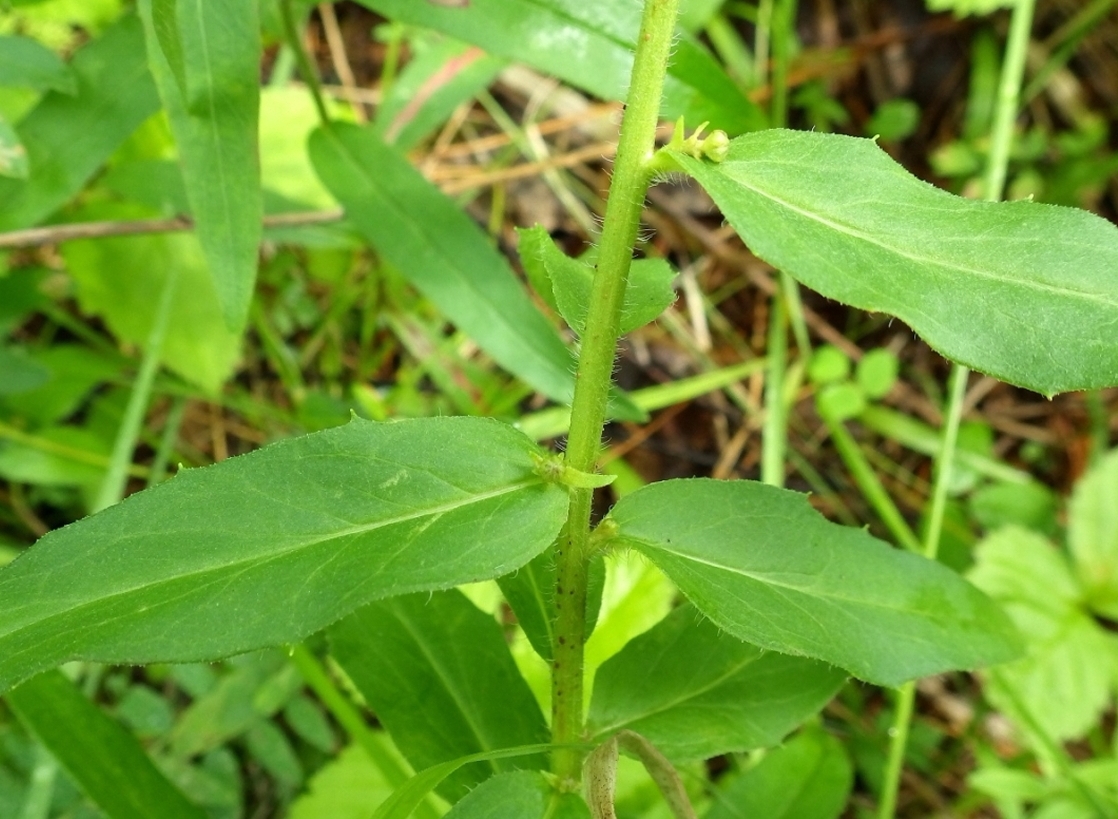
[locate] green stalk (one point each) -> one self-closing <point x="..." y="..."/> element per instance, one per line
<point x="786" y="304"/>
<point x="295" y="43"/>
<point x="1001" y="140"/>
<point x="116" y="477"/>
<point x="869" y="484"/>
<point x="906" y="694"/>
<point x="592" y="379"/>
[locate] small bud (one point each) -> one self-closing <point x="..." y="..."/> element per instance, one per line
<point x="716" y="147"/>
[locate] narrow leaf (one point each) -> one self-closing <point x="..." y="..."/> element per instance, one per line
<point x="105" y="760"/>
<point x="443" y="253"/>
<point x="523" y="794"/>
<point x="438" y="674"/>
<point x="589" y="46"/>
<point x="165" y="24"/>
<point x="767" y="568"/>
<point x="1022" y="291"/>
<point x="405" y="800"/>
<point x="696" y="692"/>
<point x="69" y="136"/>
<point x="27" y="63"/>
<point x="439" y="77"/>
<point x="268" y="547"/>
<point x="808" y="778"/>
<point x="215" y="127"/>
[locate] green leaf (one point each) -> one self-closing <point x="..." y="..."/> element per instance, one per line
<point x="1019" y="290"/>
<point x="443" y="253"/>
<point x="165" y="24"/>
<point x="103" y="758"/>
<point x="877" y="372"/>
<point x="1093" y="534"/>
<point x="13" y="156"/>
<point x="19" y="372"/>
<point x="268" y="547"/>
<point x="406" y="798"/>
<point x="120" y="278"/>
<point x="588" y="46"/>
<point x="215" y="127"/>
<point x="808" y="778"/>
<point x="696" y="692"/>
<point x="68" y="137"/>
<point x="438" y="674"/>
<point x="828" y="365"/>
<point x="523" y="794"/>
<point x="346" y="787"/>
<point x="1066" y="678"/>
<point x="439" y="77"/>
<point x="767" y="568"/>
<point x="530" y="592"/>
<point x="27" y="63"/>
<point x="565" y="283"/>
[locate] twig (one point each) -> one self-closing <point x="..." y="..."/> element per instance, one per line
<point x="54" y="234"/>
<point x="336" y="45"/>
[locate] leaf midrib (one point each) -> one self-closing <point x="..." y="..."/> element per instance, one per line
<point x="691" y="695"/>
<point x="260" y="560"/>
<point x="854" y="233"/>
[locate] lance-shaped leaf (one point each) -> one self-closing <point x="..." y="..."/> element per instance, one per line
<point x="214" y="120"/>
<point x="268" y="547"/>
<point x="1023" y="291"/>
<point x="443" y="253"/>
<point x="696" y="692"/>
<point x="767" y="568"/>
<point x="28" y="63"/>
<point x="438" y="674"/>
<point x="106" y="761"/>
<point x="68" y="136"/>
<point x="589" y="45"/>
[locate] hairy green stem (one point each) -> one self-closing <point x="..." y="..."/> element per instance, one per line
<point x="1001" y="141"/>
<point x="595" y="366"/>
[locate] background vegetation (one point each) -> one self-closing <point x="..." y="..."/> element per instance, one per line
<point x="332" y="329"/>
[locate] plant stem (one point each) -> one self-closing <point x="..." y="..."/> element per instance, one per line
<point x="116" y="476"/>
<point x="906" y="695"/>
<point x="295" y="43"/>
<point x="595" y="366"/>
<point x="1001" y="140"/>
<point x="786" y="305"/>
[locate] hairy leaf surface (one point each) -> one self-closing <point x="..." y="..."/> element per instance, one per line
<point x="268" y="547"/>
<point x="767" y="568"/>
<point x="1023" y="291"/>
<point x="696" y="692"/>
